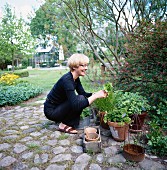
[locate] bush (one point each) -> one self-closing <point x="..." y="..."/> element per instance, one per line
<point x="14" y="94"/>
<point x="85" y="113"/>
<point x="145" y="70"/>
<point x="22" y="74"/>
<point x="157" y="141"/>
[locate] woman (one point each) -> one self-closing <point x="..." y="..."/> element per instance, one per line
<point x="62" y="103"/>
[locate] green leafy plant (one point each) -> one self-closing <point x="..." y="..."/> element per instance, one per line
<point x="111" y="105"/>
<point x="117" y="112"/>
<point x="14" y="94"/>
<point x="22" y="73"/>
<point x="157" y="141"/>
<point x="104" y="104"/>
<point x="134" y="103"/>
<point x="160" y="115"/>
<point x="146" y="65"/>
<point x="85" y="113"/>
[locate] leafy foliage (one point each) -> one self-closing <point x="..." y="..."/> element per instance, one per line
<point x="159" y="115"/>
<point x="104" y="104"/>
<point x="50" y="23"/>
<point x="145" y="70"/>
<point x="15" y="37"/>
<point x="14" y="94"/>
<point x="118" y="112"/>
<point x="134" y="103"/>
<point x="111" y="104"/>
<point x="85" y="113"/>
<point x="156" y="140"/>
<point x="22" y="73"/>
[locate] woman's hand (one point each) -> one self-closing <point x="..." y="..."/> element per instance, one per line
<point x="101" y="94"/>
<point x="97" y="95"/>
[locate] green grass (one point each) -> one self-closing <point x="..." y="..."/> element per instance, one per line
<point x="47" y="78"/>
<point x="63" y="136"/>
<point x="44" y="78"/>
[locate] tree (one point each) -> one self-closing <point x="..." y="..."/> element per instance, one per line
<point x="15" y="36"/>
<point x="49" y="23"/>
<point x="100" y="25"/>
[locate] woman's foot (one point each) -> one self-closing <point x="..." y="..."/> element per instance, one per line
<point x="67" y="129"/>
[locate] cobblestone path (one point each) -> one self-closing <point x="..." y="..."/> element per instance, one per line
<point x="28" y="141"/>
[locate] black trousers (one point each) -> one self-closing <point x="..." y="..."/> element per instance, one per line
<point x="63" y="113"/>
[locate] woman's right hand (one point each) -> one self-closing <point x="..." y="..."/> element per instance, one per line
<point x="101" y="94"/>
<point x="96" y="95"/>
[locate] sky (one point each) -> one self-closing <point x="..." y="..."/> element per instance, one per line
<point x="23" y="7"/>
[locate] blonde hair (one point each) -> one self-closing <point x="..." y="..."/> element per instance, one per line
<point x="76" y="59"/>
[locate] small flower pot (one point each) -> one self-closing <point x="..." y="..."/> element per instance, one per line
<point x="119" y="133"/>
<point x="90" y="130"/>
<point x="94" y="145"/>
<point x="133" y="152"/>
<point x="102" y="123"/>
<point x="92" y="137"/>
<point x="137" y="122"/>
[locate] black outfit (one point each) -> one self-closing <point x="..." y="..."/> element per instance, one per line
<point x="62" y="103"/>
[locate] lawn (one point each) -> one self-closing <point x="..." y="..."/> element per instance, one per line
<point x="44" y="78"/>
<point x="47" y="78"/>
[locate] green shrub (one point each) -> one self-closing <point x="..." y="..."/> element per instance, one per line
<point x="22" y="74"/>
<point x="85" y="113"/>
<point x="160" y="114"/>
<point x="157" y="141"/>
<point x="14" y="94"/>
<point x="146" y="64"/>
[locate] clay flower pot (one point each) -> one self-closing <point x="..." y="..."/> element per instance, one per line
<point x="92" y="136"/>
<point x="137" y="122"/>
<point x="119" y="132"/>
<point x="90" y="130"/>
<point x="133" y="152"/>
<point x="102" y="123"/>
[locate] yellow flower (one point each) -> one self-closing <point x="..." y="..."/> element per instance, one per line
<point x="8" y="79"/>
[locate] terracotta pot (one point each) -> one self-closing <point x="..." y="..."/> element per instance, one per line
<point x="134" y="152"/>
<point x="92" y="136"/>
<point x="137" y="122"/>
<point x="90" y="130"/>
<point x="118" y="132"/>
<point x="102" y="123"/>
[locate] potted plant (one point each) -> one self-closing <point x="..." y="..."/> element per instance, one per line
<point x="84" y="118"/>
<point x="137" y="107"/>
<point x="103" y="105"/>
<point x="117" y="118"/>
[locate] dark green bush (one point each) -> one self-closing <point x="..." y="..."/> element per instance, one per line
<point x="22" y="74"/>
<point x="157" y="141"/>
<point x="12" y="95"/>
<point x="145" y="69"/>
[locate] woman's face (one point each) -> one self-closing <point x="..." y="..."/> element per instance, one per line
<point x="81" y="69"/>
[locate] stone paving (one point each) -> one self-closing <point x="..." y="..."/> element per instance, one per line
<point x="28" y="141"/>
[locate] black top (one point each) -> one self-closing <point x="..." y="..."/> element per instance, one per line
<point x="65" y="89"/>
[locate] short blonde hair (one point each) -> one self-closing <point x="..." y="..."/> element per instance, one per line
<point x="76" y="59"/>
